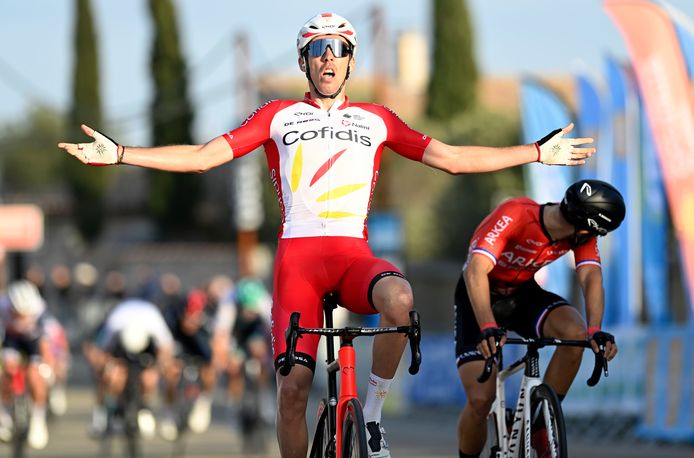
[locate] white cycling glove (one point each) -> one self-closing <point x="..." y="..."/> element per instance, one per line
<point x="102" y="151"/>
<point x="554" y="149"/>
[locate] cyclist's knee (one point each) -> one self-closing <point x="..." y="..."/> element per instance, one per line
<point x="392" y="297"/>
<point x="10" y="365"/>
<point x="292" y="395"/>
<point x="479" y="403"/>
<point x="570" y="331"/>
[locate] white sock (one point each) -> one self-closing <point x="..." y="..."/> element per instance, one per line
<point x="375" y="397"/>
<point x="38" y="412"/>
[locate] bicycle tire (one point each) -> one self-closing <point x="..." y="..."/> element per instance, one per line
<point x="321" y="445"/>
<point x="20" y="417"/>
<point x="544" y="398"/>
<point x="354" y="431"/>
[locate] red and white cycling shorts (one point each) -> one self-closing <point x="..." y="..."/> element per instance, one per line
<point x="306" y="268"/>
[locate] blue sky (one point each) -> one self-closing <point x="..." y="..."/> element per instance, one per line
<point x="513" y="37"/>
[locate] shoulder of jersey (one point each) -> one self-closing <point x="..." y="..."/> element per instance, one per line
<point x="521" y="201"/>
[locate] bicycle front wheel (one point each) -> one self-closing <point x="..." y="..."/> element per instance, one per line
<point x="547" y="430"/>
<point x="354" y="431"/>
<point x="323" y="445"/>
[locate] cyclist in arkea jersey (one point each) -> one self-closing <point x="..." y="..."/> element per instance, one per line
<point x="497" y="291"/>
<point x="323" y="155"/>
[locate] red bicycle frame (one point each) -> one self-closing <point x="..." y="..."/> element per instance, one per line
<point x="348" y="388"/>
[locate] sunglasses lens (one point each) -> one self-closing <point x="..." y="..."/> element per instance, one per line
<point x="339" y="48"/>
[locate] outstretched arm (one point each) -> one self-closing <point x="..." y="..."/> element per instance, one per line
<point x="174" y="158"/>
<point x="554" y="149"/>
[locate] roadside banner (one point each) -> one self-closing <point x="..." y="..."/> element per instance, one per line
<point x="663" y="80"/>
<point x="541" y="112"/>
<point x="655" y="225"/>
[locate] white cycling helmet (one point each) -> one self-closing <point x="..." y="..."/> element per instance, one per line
<point x="326" y="24"/>
<point x="134" y="337"/>
<point x="25" y="298"/>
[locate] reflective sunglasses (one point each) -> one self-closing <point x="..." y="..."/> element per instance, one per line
<point x="339" y="48"/>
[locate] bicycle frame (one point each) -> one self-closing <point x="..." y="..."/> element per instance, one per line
<point x="510" y="441"/>
<point x="345" y="363"/>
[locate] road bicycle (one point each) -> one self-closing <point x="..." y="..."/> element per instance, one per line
<point x="123" y="415"/>
<point x="509" y="431"/>
<point x="20" y="413"/>
<point x="188" y="392"/>
<point x="340" y="430"/>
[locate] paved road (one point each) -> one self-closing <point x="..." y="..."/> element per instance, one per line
<point x="429" y="433"/>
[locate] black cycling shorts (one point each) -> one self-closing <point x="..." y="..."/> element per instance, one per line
<point x="523" y="312"/>
<point x="25" y="345"/>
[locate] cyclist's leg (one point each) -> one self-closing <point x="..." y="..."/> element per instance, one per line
<point x="564" y="323"/>
<point x="544" y="314"/>
<point x="201" y="413"/>
<point x="34" y="349"/>
<point x="375" y="285"/>
<point x="299" y="284"/>
<point x="472" y="421"/>
<point x="10" y="364"/>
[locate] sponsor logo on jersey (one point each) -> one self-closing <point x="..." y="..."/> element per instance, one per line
<point x="325" y="132"/>
<point x="498" y="228"/>
<point x="356" y="117"/>
<point x="525" y="249"/>
<point x="252" y="115"/>
<point x="511" y="260"/>
<point x="534" y="242"/>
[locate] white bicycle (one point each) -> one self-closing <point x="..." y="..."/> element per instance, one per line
<point x="509" y="432"/>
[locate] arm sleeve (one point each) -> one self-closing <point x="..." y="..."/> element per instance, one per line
<point x="400" y="137"/>
<point x="587" y="254"/>
<point x="254" y="131"/>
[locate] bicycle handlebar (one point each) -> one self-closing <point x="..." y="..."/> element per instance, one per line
<point x="600" y="361"/>
<point x="293" y="332"/>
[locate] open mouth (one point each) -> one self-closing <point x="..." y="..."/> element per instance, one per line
<point x="328" y="74"/>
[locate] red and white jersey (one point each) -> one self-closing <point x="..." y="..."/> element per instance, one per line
<point x="324" y="164"/>
<point x="514" y="238"/>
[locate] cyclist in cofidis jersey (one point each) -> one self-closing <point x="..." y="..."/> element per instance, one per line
<point x="323" y="154"/>
<point x="497" y="291"/>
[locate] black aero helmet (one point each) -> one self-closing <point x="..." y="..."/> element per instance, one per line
<point x="593" y="205"/>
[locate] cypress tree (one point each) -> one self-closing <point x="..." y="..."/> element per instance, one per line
<point x="453" y="82"/>
<point x="87" y="187"/>
<point x="172" y="196"/>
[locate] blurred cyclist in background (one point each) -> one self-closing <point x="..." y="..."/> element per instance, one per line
<point x="251" y="355"/>
<point x="57" y="377"/>
<point x="24" y="348"/>
<point x="134" y="331"/>
<point x="193" y="325"/>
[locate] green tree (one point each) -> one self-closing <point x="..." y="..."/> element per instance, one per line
<point x="172" y="196"/>
<point x="87" y="188"/>
<point x="453" y="81"/>
<point x="28" y="161"/>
